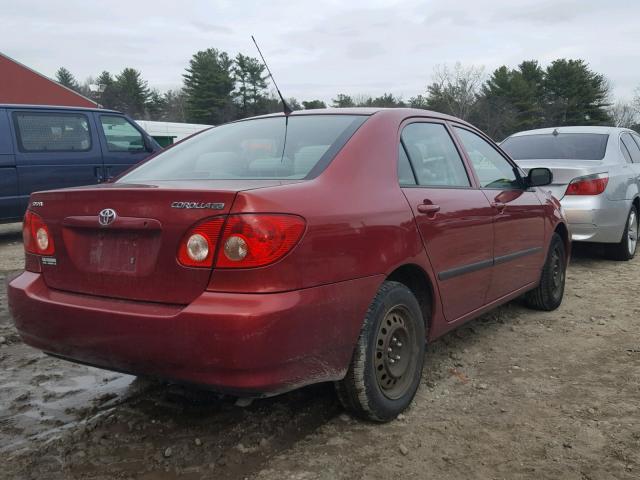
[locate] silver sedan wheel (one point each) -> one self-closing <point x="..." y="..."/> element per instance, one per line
<point x="632" y="229"/>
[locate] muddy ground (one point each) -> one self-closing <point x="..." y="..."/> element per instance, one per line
<point x="514" y="394"/>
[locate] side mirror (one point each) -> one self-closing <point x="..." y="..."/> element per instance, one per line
<point x="539" y="177"/>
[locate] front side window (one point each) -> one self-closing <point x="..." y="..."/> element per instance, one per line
<point x="434" y="157"/>
<point x="121" y="135"/>
<point x="493" y="170"/>
<point x="52" y="132"/>
<point x="262" y="148"/>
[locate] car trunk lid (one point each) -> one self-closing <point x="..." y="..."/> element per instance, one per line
<point x="564" y="171"/>
<point x="134" y="256"/>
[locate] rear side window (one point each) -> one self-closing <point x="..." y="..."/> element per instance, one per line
<point x="263" y="148"/>
<point x="434" y="157"/>
<point x="405" y="173"/>
<point x="493" y="170"/>
<point x="632" y="147"/>
<point x="52" y="132"/>
<point x="121" y="136"/>
<point x="563" y="146"/>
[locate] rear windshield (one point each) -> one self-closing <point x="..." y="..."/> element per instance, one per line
<point x="264" y="148"/>
<point x="563" y="146"/>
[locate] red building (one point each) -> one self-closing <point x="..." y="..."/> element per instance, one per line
<point x="20" y="84"/>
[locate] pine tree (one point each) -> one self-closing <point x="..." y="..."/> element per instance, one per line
<point x="65" y="77"/>
<point x="342" y="101"/>
<point x="575" y="95"/>
<point x="107" y="90"/>
<point x="250" y="85"/>
<point x="311" y="104"/>
<point x="208" y="84"/>
<point x="132" y="92"/>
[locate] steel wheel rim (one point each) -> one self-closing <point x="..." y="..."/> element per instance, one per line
<point x="395" y="354"/>
<point x="557" y="270"/>
<point x="632" y="232"/>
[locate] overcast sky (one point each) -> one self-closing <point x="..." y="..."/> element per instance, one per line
<point x="319" y="48"/>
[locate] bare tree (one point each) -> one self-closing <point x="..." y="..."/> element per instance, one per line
<point x="455" y="90"/>
<point x="624" y="113"/>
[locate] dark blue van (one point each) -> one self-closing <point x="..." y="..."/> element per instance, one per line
<point x="44" y="147"/>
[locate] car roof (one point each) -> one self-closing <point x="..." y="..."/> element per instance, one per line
<point x="407" y="112"/>
<point x="583" y="129"/>
<point x="56" y="107"/>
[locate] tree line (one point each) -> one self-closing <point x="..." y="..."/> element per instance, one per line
<point x="218" y="88"/>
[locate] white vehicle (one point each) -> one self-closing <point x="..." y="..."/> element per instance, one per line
<point x="168" y="133"/>
<point x="596" y="177"/>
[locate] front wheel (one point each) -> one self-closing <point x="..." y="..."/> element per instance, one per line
<point x="626" y="249"/>
<point x="386" y="367"/>
<point x="549" y="292"/>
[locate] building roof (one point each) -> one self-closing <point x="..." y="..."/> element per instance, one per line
<point x="20" y="84"/>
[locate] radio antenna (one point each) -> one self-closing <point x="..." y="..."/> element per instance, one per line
<point x="285" y="107"/>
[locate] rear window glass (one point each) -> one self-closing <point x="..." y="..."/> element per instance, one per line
<point x="265" y="148"/>
<point x="52" y="132"/>
<point x="564" y="146"/>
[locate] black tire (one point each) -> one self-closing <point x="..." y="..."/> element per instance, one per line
<point x="548" y="294"/>
<point x="626" y="249"/>
<point x="386" y="366"/>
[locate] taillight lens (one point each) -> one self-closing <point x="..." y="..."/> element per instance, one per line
<point x="255" y="240"/>
<point x="248" y="240"/>
<point x="199" y="244"/>
<point x="591" y="185"/>
<point x="36" y="235"/>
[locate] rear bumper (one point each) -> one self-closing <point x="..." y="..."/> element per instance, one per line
<point x="253" y="344"/>
<point x="595" y="218"/>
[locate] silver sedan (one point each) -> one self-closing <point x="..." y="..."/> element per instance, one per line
<point x="596" y="176"/>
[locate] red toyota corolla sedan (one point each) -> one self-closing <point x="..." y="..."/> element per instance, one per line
<point x="280" y="251"/>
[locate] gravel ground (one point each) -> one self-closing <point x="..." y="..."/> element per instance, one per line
<point x="514" y="394"/>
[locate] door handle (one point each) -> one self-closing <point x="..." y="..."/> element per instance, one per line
<point x="499" y="206"/>
<point x="428" y="208"/>
<point x="99" y="175"/>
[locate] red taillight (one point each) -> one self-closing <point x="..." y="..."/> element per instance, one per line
<point x="36" y="235"/>
<point x="255" y="240"/>
<point x="592" y="185"/>
<point x="199" y="244"/>
<point x="248" y="240"/>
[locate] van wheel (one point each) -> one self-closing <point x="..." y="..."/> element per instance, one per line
<point x="549" y="292"/>
<point x="386" y="367"/>
<point x="626" y="249"/>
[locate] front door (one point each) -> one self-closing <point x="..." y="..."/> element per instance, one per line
<point x="123" y="144"/>
<point x="518" y="217"/>
<point x="454" y="217"/>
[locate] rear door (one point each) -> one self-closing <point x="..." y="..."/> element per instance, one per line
<point x="10" y="202"/>
<point x="453" y="216"/>
<point x="518" y="216"/>
<point x="123" y="143"/>
<point x="54" y="149"/>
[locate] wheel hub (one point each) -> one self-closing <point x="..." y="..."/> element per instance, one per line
<point x="394" y="354"/>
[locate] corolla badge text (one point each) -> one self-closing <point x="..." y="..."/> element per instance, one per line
<point x="209" y="205"/>
<point x="107" y="216"/>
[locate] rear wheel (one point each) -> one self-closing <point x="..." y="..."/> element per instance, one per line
<point x="386" y="367"/>
<point x="549" y="292"/>
<point x="626" y="249"/>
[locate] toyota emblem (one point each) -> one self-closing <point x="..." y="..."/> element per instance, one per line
<point x="107" y="217"/>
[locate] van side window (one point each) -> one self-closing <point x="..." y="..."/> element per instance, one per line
<point x="433" y="155"/>
<point x="52" y="132"/>
<point x="121" y="135"/>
